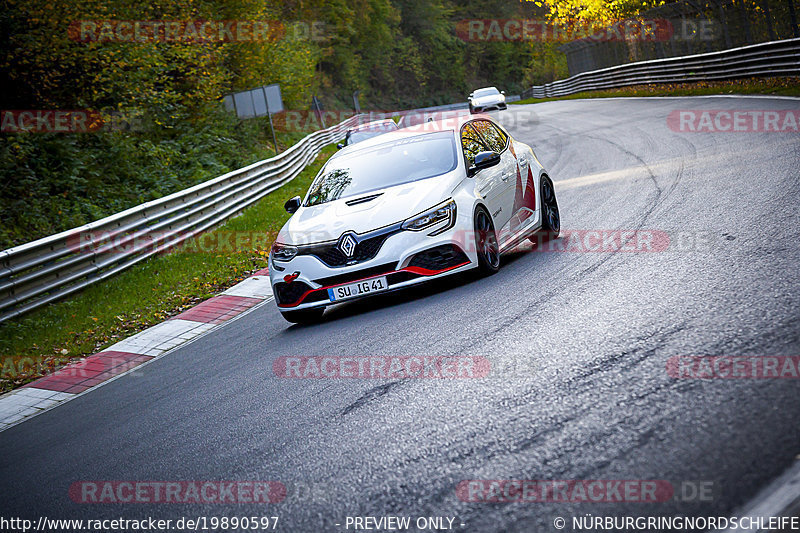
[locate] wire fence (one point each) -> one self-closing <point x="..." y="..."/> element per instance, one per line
<point x="686" y="28"/>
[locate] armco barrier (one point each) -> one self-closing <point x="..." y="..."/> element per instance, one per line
<point x="39" y="272"/>
<point x="775" y="58"/>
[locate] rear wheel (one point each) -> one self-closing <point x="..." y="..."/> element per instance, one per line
<point x="551" y="219"/>
<point x="304" y="316"/>
<point x="486" y="243"/>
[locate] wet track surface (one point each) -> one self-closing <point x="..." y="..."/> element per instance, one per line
<point x="578" y="343"/>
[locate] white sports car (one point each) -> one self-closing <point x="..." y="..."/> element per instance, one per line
<point x="407" y="207"/>
<point x="487" y="99"/>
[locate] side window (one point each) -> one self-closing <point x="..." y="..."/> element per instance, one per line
<point x="472" y="143"/>
<point x="503" y="135"/>
<point x="496" y="139"/>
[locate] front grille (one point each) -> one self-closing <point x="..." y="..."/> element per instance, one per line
<point x="367" y="248"/>
<point x="356" y="275"/>
<point x="439" y="258"/>
<point x="289" y="293"/>
<point x="331" y="255"/>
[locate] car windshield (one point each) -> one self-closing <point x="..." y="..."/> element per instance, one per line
<point x="486" y="92"/>
<point x="385" y="165"/>
<point x="358" y="136"/>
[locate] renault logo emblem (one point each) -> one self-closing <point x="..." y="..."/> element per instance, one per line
<point x="347" y="244"/>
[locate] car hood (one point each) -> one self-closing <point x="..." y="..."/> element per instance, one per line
<point x="490" y="99"/>
<point x="327" y="222"/>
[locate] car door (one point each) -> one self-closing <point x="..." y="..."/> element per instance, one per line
<point x="507" y="169"/>
<point x="489" y="181"/>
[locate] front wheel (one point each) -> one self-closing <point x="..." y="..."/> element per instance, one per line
<point x="304" y="316"/>
<point x="486" y="243"/>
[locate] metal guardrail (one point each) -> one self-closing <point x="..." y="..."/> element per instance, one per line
<point x="775" y="58"/>
<point x="39" y="272"/>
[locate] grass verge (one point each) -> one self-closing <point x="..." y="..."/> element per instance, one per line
<point x="765" y="86"/>
<point x="152" y="291"/>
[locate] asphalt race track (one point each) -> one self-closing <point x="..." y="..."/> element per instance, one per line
<point x="578" y="341"/>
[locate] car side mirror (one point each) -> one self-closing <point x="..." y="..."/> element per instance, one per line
<point x="293" y="204"/>
<point x="483" y="160"/>
<point x="340" y="146"/>
<point x="502" y="92"/>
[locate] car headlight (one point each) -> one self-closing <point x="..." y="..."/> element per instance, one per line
<point x="283" y="252"/>
<point x="443" y="212"/>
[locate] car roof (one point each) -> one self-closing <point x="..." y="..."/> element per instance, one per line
<point x="448" y="123"/>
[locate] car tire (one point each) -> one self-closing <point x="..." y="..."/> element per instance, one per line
<point x="471" y="109"/>
<point x="304" y="316"/>
<point x="486" y="245"/>
<point x="551" y="218"/>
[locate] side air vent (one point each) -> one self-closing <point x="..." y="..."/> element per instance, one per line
<point x="289" y="293"/>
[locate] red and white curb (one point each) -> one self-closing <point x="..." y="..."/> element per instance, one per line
<point x="124" y="356"/>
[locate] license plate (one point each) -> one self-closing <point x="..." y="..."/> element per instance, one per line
<point x="351" y="290"/>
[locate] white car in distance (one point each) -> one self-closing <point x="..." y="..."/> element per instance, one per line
<point x="487" y="99"/>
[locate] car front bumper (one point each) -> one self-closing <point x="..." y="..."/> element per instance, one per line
<point x="494" y="106"/>
<point x="405" y="258"/>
